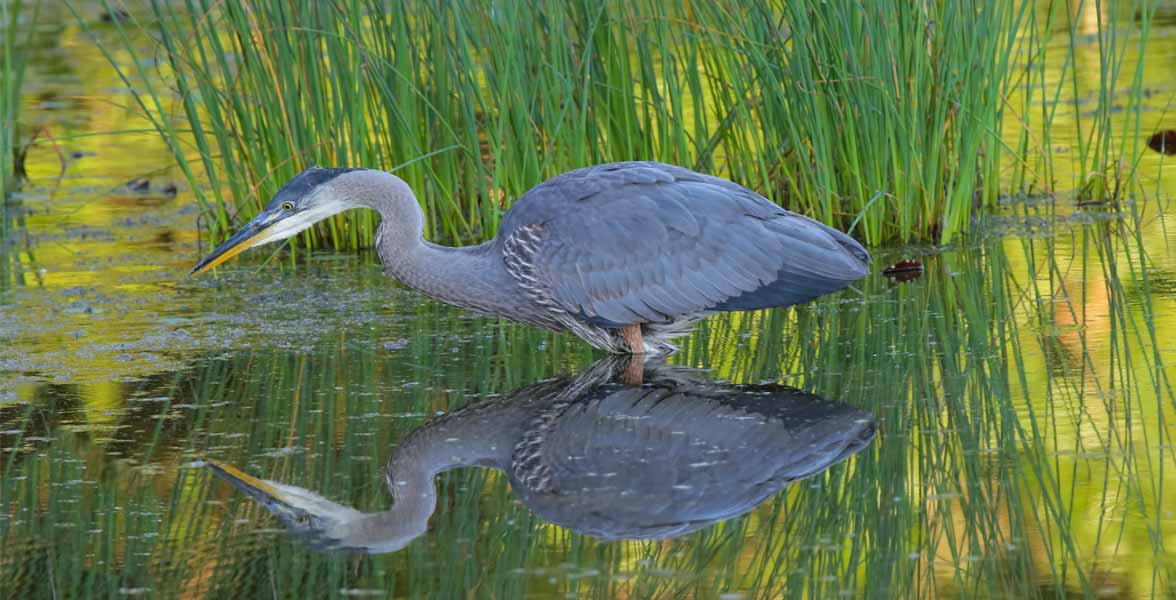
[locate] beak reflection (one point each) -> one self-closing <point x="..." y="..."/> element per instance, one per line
<point x="258" y="489"/>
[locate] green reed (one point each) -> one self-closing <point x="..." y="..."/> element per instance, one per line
<point x="1100" y="98"/>
<point x="885" y="117"/>
<point x="15" y="24"/>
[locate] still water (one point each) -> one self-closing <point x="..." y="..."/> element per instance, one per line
<point x="999" y="426"/>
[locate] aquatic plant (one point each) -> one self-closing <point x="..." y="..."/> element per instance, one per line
<point x="13" y="62"/>
<point x="15" y="18"/>
<point x="884" y="117"/>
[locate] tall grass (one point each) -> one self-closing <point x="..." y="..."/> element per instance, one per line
<point x="13" y="62"/>
<point x="1092" y="83"/>
<point x="15" y="20"/>
<point x="881" y="116"/>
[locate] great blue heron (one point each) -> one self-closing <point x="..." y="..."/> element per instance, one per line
<point x="625" y="255"/>
<point x="597" y="456"/>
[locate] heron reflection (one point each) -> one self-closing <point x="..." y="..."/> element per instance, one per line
<point x="597" y="456"/>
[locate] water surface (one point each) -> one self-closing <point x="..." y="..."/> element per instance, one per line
<point x="1020" y="389"/>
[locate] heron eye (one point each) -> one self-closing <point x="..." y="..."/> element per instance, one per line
<point x="287" y="206"/>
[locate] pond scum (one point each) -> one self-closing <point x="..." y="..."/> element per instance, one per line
<point x="886" y="117"/>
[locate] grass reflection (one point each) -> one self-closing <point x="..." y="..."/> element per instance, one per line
<point x="1020" y="386"/>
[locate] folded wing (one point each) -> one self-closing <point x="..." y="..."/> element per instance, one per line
<point x="645" y="242"/>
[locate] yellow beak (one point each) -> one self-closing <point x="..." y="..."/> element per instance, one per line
<point x="243" y="481"/>
<point x="241" y="241"/>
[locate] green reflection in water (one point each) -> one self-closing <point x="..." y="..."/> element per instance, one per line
<point x="1020" y="388"/>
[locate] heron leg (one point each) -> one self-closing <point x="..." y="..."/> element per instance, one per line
<point x="632" y="336"/>
<point x="634" y="373"/>
<point x="633" y="369"/>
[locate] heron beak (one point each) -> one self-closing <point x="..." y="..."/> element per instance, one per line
<point x="249" y="236"/>
<point x="260" y="490"/>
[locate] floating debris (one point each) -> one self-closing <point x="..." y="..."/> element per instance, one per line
<point x="141" y="187"/>
<point x="904" y="270"/>
<point x="1163" y="142"/>
<point x="117" y="15"/>
<point x="397" y="345"/>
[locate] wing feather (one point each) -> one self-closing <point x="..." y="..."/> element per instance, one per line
<point x="645" y="242"/>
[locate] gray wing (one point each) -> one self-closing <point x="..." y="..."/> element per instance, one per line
<point x="638" y="242"/>
<point x="654" y="462"/>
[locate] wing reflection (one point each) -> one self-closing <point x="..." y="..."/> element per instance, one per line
<point x="597" y="456"/>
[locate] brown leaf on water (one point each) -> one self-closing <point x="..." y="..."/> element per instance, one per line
<point x="1163" y="142"/>
<point x="904" y="270"/>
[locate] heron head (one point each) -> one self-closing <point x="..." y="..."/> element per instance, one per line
<point x="311" y="196"/>
<point x="325" y="525"/>
<point x="320" y="523"/>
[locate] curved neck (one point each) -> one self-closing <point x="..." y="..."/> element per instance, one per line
<point x="467" y="438"/>
<point x="395" y="528"/>
<point x="474" y="278"/>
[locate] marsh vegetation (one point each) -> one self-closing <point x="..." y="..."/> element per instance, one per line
<point x="901" y="121"/>
<point x="1019" y="377"/>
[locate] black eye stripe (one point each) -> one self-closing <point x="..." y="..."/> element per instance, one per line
<point x="306" y="182"/>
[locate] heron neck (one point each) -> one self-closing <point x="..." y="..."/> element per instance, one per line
<point x="445" y="444"/>
<point x="477" y="435"/>
<point x="395" y="528"/>
<point x="473" y="277"/>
